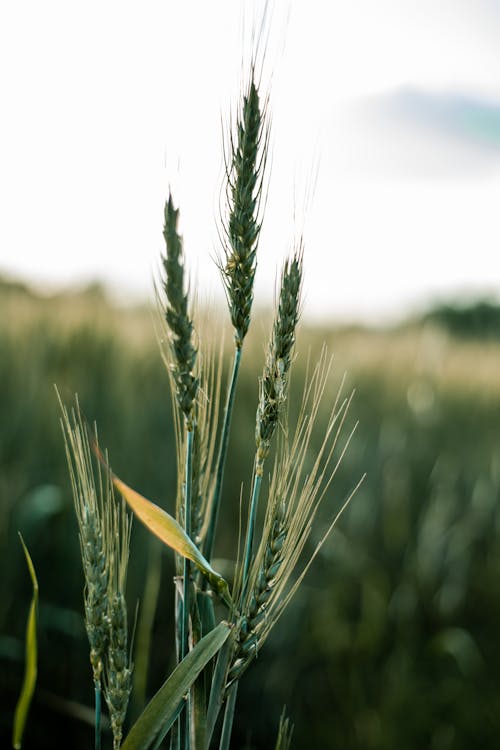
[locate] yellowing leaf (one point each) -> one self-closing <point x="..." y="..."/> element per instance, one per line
<point x="166" y="528"/>
<point x="30" y="670"/>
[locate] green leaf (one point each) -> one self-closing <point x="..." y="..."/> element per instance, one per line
<point x="165" y="706"/>
<point x="30" y="670"/>
<point x="218" y="686"/>
<point x="203" y="621"/>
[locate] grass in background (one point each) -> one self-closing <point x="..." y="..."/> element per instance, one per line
<point x="402" y="604"/>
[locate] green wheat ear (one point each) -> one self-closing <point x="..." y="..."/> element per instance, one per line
<point x="118" y="665"/>
<point x="295" y="495"/>
<point x="104" y="531"/>
<point x="90" y="507"/>
<point x="274" y="381"/>
<point x="177" y="316"/>
<point x="245" y="165"/>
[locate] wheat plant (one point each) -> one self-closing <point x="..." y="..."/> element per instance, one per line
<point x="220" y="627"/>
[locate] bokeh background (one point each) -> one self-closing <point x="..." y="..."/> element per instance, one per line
<point x="386" y="136"/>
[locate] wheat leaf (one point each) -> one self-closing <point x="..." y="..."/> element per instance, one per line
<point x="166" y="528"/>
<point x="30" y="670"/>
<point x="171" y="533"/>
<point x="165" y="706"/>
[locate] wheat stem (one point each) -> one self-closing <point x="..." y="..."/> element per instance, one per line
<point x="251" y="530"/>
<point x="187" y="528"/>
<point x="145" y="626"/>
<point x="221" y="460"/>
<point x="186" y="598"/>
<point x="227" y="726"/>
<point x="97" y="691"/>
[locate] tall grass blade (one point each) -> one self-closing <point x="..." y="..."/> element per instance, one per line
<point x="30" y="672"/>
<point x="285" y="732"/>
<point x="163" y="709"/>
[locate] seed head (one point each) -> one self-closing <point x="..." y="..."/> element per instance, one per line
<point x="177" y="317"/>
<point x="274" y="381"/>
<point x="245" y="166"/>
<point x="90" y="507"/>
<point x="255" y="605"/>
<point x="118" y="666"/>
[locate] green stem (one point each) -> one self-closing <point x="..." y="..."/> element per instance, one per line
<point x="145" y="627"/>
<point x="227" y="726"/>
<point x="186" y="603"/>
<point x="187" y="527"/>
<point x="97" y="690"/>
<point x="221" y="459"/>
<point x="251" y="530"/>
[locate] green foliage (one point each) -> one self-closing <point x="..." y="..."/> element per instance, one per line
<point x="395" y="638"/>
<point x="163" y="709"/>
<point x="31" y="659"/>
<point x="475" y="320"/>
<point x="394" y="641"/>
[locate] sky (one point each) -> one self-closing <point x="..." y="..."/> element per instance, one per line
<point x="385" y="143"/>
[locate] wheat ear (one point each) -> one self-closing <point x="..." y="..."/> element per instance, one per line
<point x="274" y="385"/>
<point x="295" y="495"/>
<point x="245" y="168"/>
<point x="118" y="666"/>
<point x="177" y="316"/>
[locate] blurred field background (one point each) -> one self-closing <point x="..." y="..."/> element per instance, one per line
<point x="393" y="639"/>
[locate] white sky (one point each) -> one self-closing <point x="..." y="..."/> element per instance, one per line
<point x="105" y="104"/>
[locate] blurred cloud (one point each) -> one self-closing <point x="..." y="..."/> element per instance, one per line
<point x="414" y="133"/>
<point x="473" y="121"/>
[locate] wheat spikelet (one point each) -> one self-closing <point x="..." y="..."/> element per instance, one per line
<point x="118" y="667"/>
<point x="89" y="502"/>
<point x="256" y="605"/>
<point x="274" y="381"/>
<point x="177" y="317"/>
<point x="245" y="165"/>
<point x="104" y="529"/>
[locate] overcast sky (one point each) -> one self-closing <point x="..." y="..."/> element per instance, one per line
<point x="391" y="109"/>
